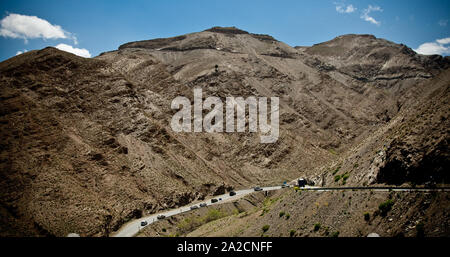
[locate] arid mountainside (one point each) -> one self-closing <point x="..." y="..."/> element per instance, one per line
<point x="87" y="143"/>
<point x="287" y="213"/>
<point x="412" y="148"/>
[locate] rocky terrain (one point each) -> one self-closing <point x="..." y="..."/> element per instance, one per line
<point x="316" y="214"/>
<point x="87" y="143"/>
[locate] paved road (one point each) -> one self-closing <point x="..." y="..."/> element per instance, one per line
<point x="133" y="227"/>
<point x="380" y="189"/>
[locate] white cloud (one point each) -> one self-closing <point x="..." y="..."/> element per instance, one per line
<point x="440" y="46"/>
<point x="432" y="48"/>
<point x="340" y="8"/>
<point x="77" y="51"/>
<point x="365" y="14"/>
<point x="28" y="27"/>
<point x="21" y="52"/>
<point x="444" y="41"/>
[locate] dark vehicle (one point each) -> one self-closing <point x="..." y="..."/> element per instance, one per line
<point x="430" y="184"/>
<point x="220" y="199"/>
<point x="302" y="182"/>
<point x="194" y="207"/>
<point x="214" y="200"/>
<point x="232" y="193"/>
<point x="144" y="223"/>
<point x="203" y="205"/>
<point x="161" y="217"/>
<point x="257" y="189"/>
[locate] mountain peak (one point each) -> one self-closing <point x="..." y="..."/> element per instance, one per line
<point x="227" y="30"/>
<point x="211" y="38"/>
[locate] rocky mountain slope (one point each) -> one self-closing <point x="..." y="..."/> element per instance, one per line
<point x="288" y="213"/>
<point x="87" y="143"/>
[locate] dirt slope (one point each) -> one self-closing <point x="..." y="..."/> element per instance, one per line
<point x="86" y="143"/>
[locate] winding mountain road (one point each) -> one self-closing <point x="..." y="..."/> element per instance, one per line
<point x="133" y="227"/>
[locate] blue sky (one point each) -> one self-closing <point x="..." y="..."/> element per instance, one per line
<point x="95" y="26"/>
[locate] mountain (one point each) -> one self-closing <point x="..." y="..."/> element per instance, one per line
<point x="87" y="143"/>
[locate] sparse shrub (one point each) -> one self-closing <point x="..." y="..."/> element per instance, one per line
<point x="288" y="216"/>
<point x="265" y="228"/>
<point x="190" y="223"/>
<point x="335" y="234"/>
<point x="282" y="214"/>
<point x="336" y="170"/>
<point x="187" y="224"/>
<point x="385" y="207"/>
<point x="316" y="226"/>
<point x="345" y="177"/>
<point x="366" y="216"/>
<point x="263" y="212"/>
<point x="213" y="214"/>
<point x="337" y="178"/>
<point x="164" y="230"/>
<point x="355" y="165"/>
<point x="292" y="233"/>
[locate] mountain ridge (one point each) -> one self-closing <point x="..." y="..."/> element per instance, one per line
<point x="88" y="144"/>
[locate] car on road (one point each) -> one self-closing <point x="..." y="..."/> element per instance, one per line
<point x="144" y="223"/>
<point x="257" y="189"/>
<point x="193" y="207"/>
<point x="220" y="199"/>
<point x="161" y="217"/>
<point x="203" y="205"/>
<point x="232" y="193"/>
<point x="301" y="182"/>
<point x="214" y="200"/>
